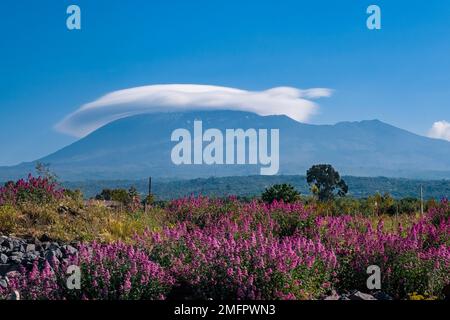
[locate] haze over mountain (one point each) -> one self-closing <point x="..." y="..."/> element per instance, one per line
<point x="140" y="146"/>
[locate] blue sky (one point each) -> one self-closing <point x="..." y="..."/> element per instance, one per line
<point x="400" y="74"/>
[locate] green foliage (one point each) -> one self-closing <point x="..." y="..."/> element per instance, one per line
<point x="43" y="170"/>
<point x="149" y="199"/>
<point x="281" y="192"/>
<point x="120" y="195"/>
<point x="326" y="182"/>
<point x="75" y="195"/>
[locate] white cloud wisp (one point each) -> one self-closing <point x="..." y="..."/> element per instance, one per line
<point x="292" y="102"/>
<point x="440" y="130"/>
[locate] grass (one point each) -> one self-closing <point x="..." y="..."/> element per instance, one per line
<point x="79" y="223"/>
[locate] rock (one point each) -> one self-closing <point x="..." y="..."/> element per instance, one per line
<point x="54" y="246"/>
<point x="3" y="258"/>
<point x="14" y="296"/>
<point x="361" y="296"/>
<point x="50" y="254"/>
<point x="37" y="243"/>
<point x="58" y="253"/>
<point x="380" y="295"/>
<point x="15" y="259"/>
<point x="6" y="268"/>
<point x="45" y="238"/>
<point x="8" y="244"/>
<point x="31" y="256"/>
<point x="69" y="250"/>
<point x="446" y="292"/>
<point x="46" y="246"/>
<point x="18" y="245"/>
<point x="30" y="248"/>
<point x="3" y="283"/>
<point x="344" y="296"/>
<point x="333" y="296"/>
<point x="17" y="254"/>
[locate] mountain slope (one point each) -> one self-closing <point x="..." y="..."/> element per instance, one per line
<point x="139" y="146"/>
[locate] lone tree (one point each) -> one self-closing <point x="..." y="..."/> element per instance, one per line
<point x="280" y="192"/>
<point x="326" y="182"/>
<point x="43" y="170"/>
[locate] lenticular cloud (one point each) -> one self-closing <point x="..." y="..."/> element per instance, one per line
<point x="292" y="102"/>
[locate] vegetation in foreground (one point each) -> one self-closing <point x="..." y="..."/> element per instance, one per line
<point x="199" y="248"/>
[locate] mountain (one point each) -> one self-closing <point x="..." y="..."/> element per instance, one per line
<point x="140" y="146"/>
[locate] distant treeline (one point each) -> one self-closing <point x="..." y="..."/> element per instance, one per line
<point x="250" y="186"/>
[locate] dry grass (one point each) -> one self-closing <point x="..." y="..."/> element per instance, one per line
<point x="79" y="223"/>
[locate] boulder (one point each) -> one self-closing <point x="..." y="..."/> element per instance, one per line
<point x="358" y="295"/>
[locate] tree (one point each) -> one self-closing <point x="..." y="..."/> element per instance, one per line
<point x="119" y="195"/>
<point x="106" y="195"/>
<point x="132" y="192"/>
<point x="43" y="170"/>
<point x="326" y="182"/>
<point x="280" y="192"/>
<point x="130" y="198"/>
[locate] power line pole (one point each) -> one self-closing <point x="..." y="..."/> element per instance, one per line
<point x="149" y="185"/>
<point x="149" y="198"/>
<point x="421" y="200"/>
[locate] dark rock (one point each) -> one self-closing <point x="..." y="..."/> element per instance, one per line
<point x="7" y="243"/>
<point x="18" y="254"/>
<point x="361" y="296"/>
<point x="16" y="260"/>
<point x="14" y="296"/>
<point x="31" y="256"/>
<point x="380" y="295"/>
<point x="446" y="292"/>
<point x="6" y="268"/>
<point x="333" y="296"/>
<point x="45" y="238"/>
<point x="54" y="246"/>
<point x="3" y="283"/>
<point x="69" y="250"/>
<point x="18" y="245"/>
<point x="50" y="254"/>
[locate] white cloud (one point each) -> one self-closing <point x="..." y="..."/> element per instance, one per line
<point x="288" y="101"/>
<point x="440" y="130"/>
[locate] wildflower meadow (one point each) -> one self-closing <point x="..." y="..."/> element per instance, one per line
<point x="204" y="248"/>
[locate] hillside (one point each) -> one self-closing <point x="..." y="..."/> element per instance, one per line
<point x="249" y="186"/>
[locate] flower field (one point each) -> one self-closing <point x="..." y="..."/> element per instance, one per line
<point x="201" y="248"/>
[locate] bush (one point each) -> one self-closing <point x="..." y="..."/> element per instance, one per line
<point x="32" y="190"/>
<point x="9" y="217"/>
<point x="280" y="192"/>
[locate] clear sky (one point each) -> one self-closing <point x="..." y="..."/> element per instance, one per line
<point x="399" y="74"/>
